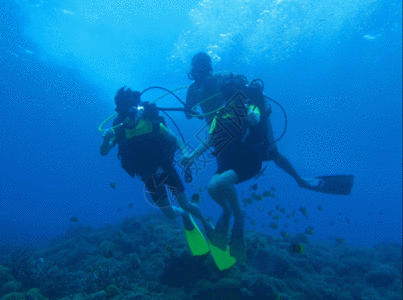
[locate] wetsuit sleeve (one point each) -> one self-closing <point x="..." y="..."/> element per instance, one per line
<point x="190" y="101"/>
<point x="172" y="138"/>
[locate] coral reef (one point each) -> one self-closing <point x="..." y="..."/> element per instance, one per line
<point x="147" y="257"/>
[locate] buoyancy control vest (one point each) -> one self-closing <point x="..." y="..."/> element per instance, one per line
<point x="237" y="88"/>
<point x="142" y="148"/>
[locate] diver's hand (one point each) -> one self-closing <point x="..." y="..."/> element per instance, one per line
<point x="187" y="160"/>
<point x="252" y="117"/>
<point x="107" y="145"/>
<point x="108" y="135"/>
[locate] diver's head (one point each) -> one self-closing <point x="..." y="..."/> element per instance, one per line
<point x="126" y="99"/>
<point x="201" y="67"/>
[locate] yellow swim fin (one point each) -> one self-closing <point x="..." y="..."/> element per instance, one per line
<point x="197" y="243"/>
<point x="222" y="259"/>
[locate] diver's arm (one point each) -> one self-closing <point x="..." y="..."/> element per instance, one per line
<point x="108" y="143"/>
<point x="171" y="137"/>
<point x="190" y="101"/>
<point x="203" y="147"/>
<point x="106" y="146"/>
<point x="180" y="145"/>
<point x="188" y="158"/>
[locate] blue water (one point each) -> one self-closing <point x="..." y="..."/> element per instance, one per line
<point x="335" y="67"/>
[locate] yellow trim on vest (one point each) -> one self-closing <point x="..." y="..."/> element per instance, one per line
<point x="253" y="108"/>
<point x="143" y="127"/>
<point x="163" y="129"/>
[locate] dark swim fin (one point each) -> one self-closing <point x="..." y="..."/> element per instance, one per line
<point x="237" y="243"/>
<point x="335" y="184"/>
<point x="197" y="243"/>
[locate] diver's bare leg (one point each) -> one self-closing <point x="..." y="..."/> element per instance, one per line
<point x="221" y="188"/>
<point x="282" y="162"/>
<point x="237" y="241"/>
<point x="170" y="211"/>
<point x="195" y="211"/>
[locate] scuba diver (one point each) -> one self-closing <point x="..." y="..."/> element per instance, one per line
<point x="236" y="163"/>
<point x="250" y="144"/>
<point x="146" y="148"/>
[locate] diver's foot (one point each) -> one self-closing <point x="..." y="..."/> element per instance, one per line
<point x="219" y="238"/>
<point x="187" y="222"/>
<point x="237" y="243"/>
<point x="311" y="183"/>
<point x="209" y="229"/>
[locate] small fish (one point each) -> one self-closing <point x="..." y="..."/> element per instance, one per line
<point x="196" y="198"/>
<point x="74" y="219"/>
<point x="339" y="240"/>
<point x="282" y="209"/>
<point x="130" y="205"/>
<point x="260" y="208"/>
<point x="283" y="234"/>
<point x="257" y="197"/>
<point x="113" y="185"/>
<point x="297" y="248"/>
<point x="276" y="217"/>
<point x="371" y="37"/>
<point x="303" y="210"/>
<point x="310" y="230"/>
<point x="267" y="194"/>
<point x="248" y="200"/>
<point x="320" y="207"/>
<point x="273" y="225"/>
<point x="41" y="260"/>
<point x="255" y="187"/>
